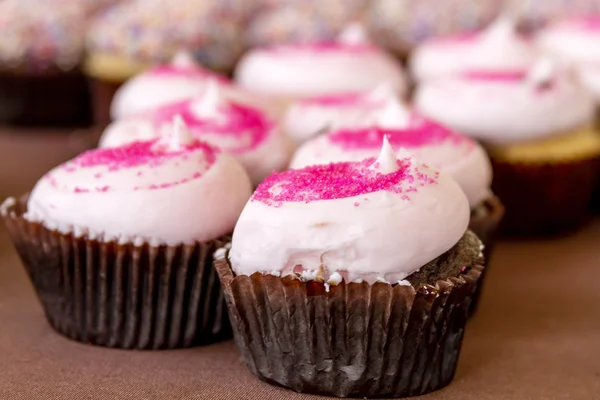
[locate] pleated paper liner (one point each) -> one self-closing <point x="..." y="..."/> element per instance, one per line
<point x="124" y="296"/>
<point x="545" y="199"/>
<point x="353" y="340"/>
<point x="484" y="222"/>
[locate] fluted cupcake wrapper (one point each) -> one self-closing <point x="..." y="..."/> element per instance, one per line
<point x="353" y="340"/>
<point x="545" y="199"/>
<point x="124" y="296"/>
<point x="485" y="226"/>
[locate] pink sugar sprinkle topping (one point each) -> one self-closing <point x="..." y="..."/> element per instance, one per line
<point x="137" y="154"/>
<point x="332" y="181"/>
<point x="507" y="76"/>
<point x="419" y="133"/>
<point x="347" y="99"/>
<point x="248" y="125"/>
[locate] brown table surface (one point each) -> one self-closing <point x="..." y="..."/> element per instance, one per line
<point x="536" y="334"/>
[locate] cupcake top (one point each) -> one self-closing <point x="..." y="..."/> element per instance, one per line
<point x="152" y="31"/>
<point x="44" y="34"/>
<point x="457" y="155"/>
<point x="508" y="106"/>
<point x="349" y="64"/>
<point x="573" y="40"/>
<point x="183" y="78"/>
<point x="247" y="133"/>
<point x="172" y="190"/>
<point x="499" y="46"/>
<point x="306" y="118"/>
<point x="344" y="220"/>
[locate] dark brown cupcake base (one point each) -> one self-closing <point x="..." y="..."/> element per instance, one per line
<point x="353" y="340"/>
<point x="53" y="98"/>
<point x="102" y="93"/>
<point x="544" y="199"/>
<point x="124" y="296"/>
<point x="485" y="220"/>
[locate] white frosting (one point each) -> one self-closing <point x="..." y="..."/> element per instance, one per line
<point x="589" y="76"/>
<point x="174" y="190"/>
<point x="301" y="71"/>
<point x="571" y="41"/>
<point x="457" y="155"/>
<point x="499" y="46"/>
<point x="382" y="235"/>
<point x="181" y="80"/>
<point x="307" y="118"/>
<point x="500" y="112"/>
<point x="271" y="152"/>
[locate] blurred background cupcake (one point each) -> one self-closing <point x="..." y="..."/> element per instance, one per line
<point x="40" y="58"/>
<point x="135" y="35"/>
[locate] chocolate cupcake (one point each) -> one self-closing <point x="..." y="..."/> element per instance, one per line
<point x="353" y="279"/>
<point x="537" y="126"/>
<point x="351" y="63"/>
<point x="452" y="153"/>
<point x="40" y="55"/>
<point x="118" y="242"/>
<point x="249" y="134"/>
<point x="138" y="34"/>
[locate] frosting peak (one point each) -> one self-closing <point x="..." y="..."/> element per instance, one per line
<point x="178" y="138"/>
<point x="211" y="103"/>
<point x="387" y="162"/>
<point x="354" y="35"/>
<point x="393" y="116"/>
<point x="184" y="59"/>
<point x="505" y="27"/>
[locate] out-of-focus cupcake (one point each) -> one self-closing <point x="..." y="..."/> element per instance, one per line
<point x="499" y="46"/>
<point x="247" y="133"/>
<point x="293" y="71"/>
<point x="363" y="267"/>
<point x="138" y="34"/>
<point x="537" y="125"/>
<point x="118" y="242"/>
<point x="180" y="80"/>
<point x="303" y="21"/>
<point x="399" y="25"/>
<point x="306" y="118"/>
<point x="40" y="58"/>
<point x="456" y="155"/>
<point x="535" y="14"/>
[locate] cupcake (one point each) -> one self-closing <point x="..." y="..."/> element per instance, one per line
<point x="180" y="80"/>
<point x="537" y="127"/>
<point x="247" y="133"/>
<point x="40" y="56"/>
<point x="138" y="34"/>
<point x="499" y="46"/>
<point x="118" y="241"/>
<point x="306" y="118"/>
<point x="293" y="71"/>
<point x="324" y="298"/>
<point x="399" y="25"/>
<point x="456" y="155"/>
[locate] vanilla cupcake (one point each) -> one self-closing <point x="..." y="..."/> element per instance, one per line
<point x="118" y="241"/>
<point x="247" y="133"/>
<point x="306" y="118"/>
<point x="350" y="64"/>
<point x="537" y="127"/>
<point x="499" y="46"/>
<point x="182" y="79"/>
<point x="320" y="248"/>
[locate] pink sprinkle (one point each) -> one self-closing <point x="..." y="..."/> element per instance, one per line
<point x="331" y="181"/>
<point x="98" y="175"/>
<point x="356" y="204"/>
<point x="70" y="169"/>
<point x="139" y="173"/>
<point x="507" y="76"/>
<point x="196" y="175"/>
<point x="405" y="197"/>
<point x="420" y="133"/>
<point x="347" y="99"/>
<point x="103" y="189"/>
<point x="80" y="190"/>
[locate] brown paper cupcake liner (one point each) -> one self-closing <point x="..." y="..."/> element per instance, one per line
<point x="53" y="98"/>
<point x="484" y="222"/>
<point x="352" y="340"/>
<point x="124" y="296"/>
<point x="544" y="199"/>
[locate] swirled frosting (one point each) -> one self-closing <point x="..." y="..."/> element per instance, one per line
<point x="172" y="190"/>
<point x="248" y="134"/>
<point x="378" y="219"/>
